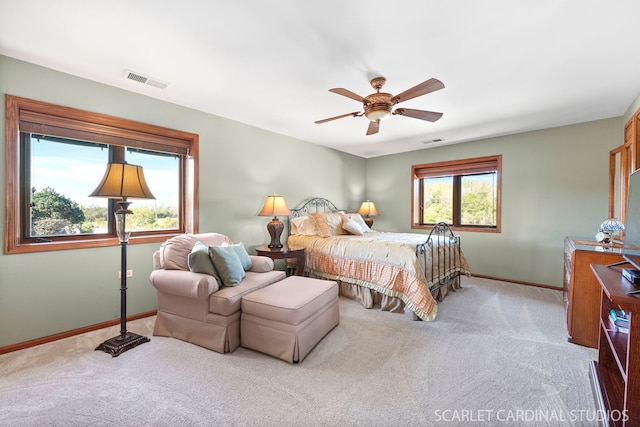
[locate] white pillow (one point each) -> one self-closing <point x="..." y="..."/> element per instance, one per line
<point x="358" y="218"/>
<point x="352" y="226"/>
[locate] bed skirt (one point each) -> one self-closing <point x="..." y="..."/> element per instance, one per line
<point x="370" y="298"/>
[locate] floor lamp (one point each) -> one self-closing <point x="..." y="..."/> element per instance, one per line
<point x="121" y="181"/>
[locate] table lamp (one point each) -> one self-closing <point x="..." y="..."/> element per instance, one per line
<point x="610" y="227"/>
<point x="275" y="206"/>
<point x="368" y="209"/>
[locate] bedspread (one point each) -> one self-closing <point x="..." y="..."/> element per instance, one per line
<point x="382" y="261"/>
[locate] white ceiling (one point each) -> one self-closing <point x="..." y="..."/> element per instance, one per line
<point x="508" y="65"/>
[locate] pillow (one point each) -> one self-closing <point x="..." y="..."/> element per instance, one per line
<point x="322" y="227"/>
<point x="261" y="264"/>
<point x="358" y="218"/>
<point x="334" y="220"/>
<point x="228" y="265"/>
<point x="174" y="253"/>
<point x="242" y="254"/>
<point x="303" y="225"/>
<point x="294" y="225"/>
<point x="200" y="262"/>
<point x="352" y="226"/>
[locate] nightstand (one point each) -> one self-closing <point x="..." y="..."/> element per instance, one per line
<point x="285" y="252"/>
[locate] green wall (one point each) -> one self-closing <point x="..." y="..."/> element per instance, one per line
<point x="51" y="292"/>
<point x="554" y="184"/>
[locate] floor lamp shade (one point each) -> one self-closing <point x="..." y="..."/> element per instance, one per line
<point x="122" y="181"/>
<point x="275" y="206"/>
<point x="368" y="209"/>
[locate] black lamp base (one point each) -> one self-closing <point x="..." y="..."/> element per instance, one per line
<point x="275" y="228"/>
<point x="116" y="345"/>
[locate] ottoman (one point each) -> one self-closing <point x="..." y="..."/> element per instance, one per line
<point x="288" y="318"/>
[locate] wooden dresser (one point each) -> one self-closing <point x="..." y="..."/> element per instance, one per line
<point x="582" y="290"/>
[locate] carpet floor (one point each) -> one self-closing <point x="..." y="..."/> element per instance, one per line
<point x="497" y="354"/>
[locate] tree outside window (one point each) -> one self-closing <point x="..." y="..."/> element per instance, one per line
<point x="465" y="194"/>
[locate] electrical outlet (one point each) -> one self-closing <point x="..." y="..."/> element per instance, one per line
<point x="129" y="273"/>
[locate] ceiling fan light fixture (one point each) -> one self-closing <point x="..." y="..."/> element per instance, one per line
<point x="377" y="115"/>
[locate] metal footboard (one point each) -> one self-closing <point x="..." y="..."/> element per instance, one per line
<point x="442" y="248"/>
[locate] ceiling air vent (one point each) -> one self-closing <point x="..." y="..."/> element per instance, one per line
<point x="141" y="78"/>
<point x="432" y="141"/>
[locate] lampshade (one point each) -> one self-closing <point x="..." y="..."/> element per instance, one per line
<point x="368" y="208"/>
<point x="121" y="181"/>
<point x="612" y="224"/>
<point x="275" y="206"/>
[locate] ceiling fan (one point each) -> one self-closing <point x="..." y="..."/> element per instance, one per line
<point x="379" y="106"/>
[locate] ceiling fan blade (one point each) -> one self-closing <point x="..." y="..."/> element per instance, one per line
<point x="423" y="88"/>
<point x="429" y="116"/>
<point x="347" y="93"/>
<point x="374" y="127"/>
<point x="354" y="114"/>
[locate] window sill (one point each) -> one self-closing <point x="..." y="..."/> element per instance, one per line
<point x="84" y="244"/>
<point x="460" y="228"/>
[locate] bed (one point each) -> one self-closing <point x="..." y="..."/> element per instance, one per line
<point x="398" y="272"/>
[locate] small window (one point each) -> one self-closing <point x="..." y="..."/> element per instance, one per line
<point x="56" y="156"/>
<point x="464" y="194"/>
<point x="163" y="170"/>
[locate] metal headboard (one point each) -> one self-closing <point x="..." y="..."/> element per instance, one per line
<point x="315" y="204"/>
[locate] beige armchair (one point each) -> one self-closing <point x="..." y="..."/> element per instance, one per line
<point x="194" y="306"/>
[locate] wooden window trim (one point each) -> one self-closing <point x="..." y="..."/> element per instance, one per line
<point x="41" y="117"/>
<point x="455" y="167"/>
<point x="623" y="161"/>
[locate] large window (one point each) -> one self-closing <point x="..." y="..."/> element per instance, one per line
<point x="462" y="193"/>
<point x="56" y="156"/>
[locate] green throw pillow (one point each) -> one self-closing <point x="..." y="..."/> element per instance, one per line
<point x="200" y="261"/>
<point x="243" y="255"/>
<point x="227" y="264"/>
